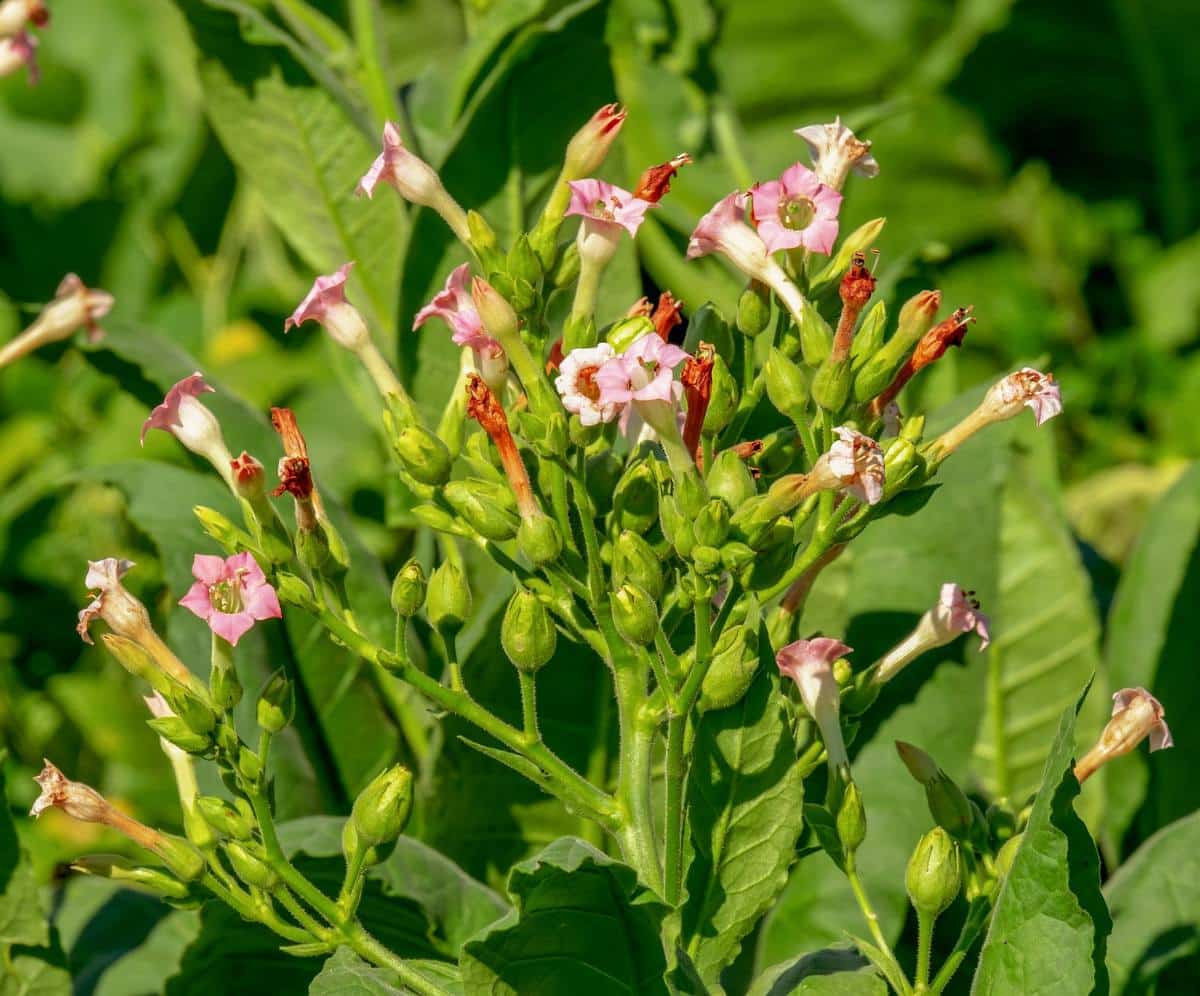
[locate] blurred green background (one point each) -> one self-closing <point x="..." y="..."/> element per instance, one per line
<point x="1037" y="161"/>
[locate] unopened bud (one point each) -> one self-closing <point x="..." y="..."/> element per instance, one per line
<point x="539" y="539"/>
<point x="712" y="524"/>
<point x="383" y="807"/>
<point x="626" y="331"/>
<point x="250" y="868"/>
<point x="523" y="263"/>
<point x="182" y="857"/>
<point x="851" y="819"/>
<point x="816" y="337"/>
<point x="138" y="662"/>
<point x="635" y="614"/>
<point x="422" y="454"/>
<point x="527" y="632"/>
<point x="787" y="384"/>
<point x="295" y="591"/>
<point x="249" y="765"/>
<point x="485" y="506"/>
<point x="589" y="146"/>
<point x="484" y="242"/>
<point x="276" y="703"/>
<point x="635" y="560"/>
<point x="223" y="818"/>
<point x="948" y="805"/>
<point x="635" y="501"/>
<point x="734" y="665"/>
<point x="175" y="731"/>
<point x="934" y="874"/>
<point x="448" y="602"/>
<point x="723" y="400"/>
<point x="119" y="870"/>
<point x="497" y="314"/>
<point x="730" y="479"/>
<point x="754" y="309"/>
<point x="408" y="590"/>
<point x="831" y="385"/>
<point x="220" y="528"/>
<point x="870" y="335"/>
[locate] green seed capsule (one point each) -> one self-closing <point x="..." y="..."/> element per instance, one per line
<point x="276" y="703"/>
<point x="422" y="454"/>
<point x="250" y="868"/>
<point x="851" y="819"/>
<point x="754" y="309"/>
<point x="485" y="506"/>
<point x="527" y="632"/>
<point x="934" y="874"/>
<point x="635" y="614"/>
<point x="730" y="480"/>
<point x="539" y="539"/>
<point x="383" y="807"/>
<point x="635" y="560"/>
<point x="408" y="590"/>
<point x="448" y="602"/>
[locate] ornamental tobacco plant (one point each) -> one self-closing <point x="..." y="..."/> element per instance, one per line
<point x="609" y="472"/>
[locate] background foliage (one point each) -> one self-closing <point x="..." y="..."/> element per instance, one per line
<point x="194" y="158"/>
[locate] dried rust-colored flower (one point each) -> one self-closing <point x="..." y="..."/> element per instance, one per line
<point x="655" y="182"/>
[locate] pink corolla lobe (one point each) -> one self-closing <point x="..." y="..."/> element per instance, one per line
<point x="231" y="594"/>
<point x="598" y="202"/>
<point x="644" y="372"/>
<point x="454" y="305"/>
<point x="795" y="211"/>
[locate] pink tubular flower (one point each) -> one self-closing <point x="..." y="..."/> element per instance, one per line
<point x="835" y="152"/>
<point x="1136" y="715"/>
<point x="796" y="210"/>
<point x="1027" y="388"/>
<point x="576" y="385"/>
<point x="604" y="204"/>
<point x="326" y="304"/>
<point x="955" y="612"/>
<point x="231" y="594"/>
<point x="454" y="305"/>
<point x="414" y="178"/>
<point x="19" y="52"/>
<point x="644" y="372"/>
<point x="854" y="462"/>
<point x="182" y="415"/>
<point x="809" y="663"/>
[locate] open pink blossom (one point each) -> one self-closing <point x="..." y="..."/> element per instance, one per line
<point x="189" y="421"/>
<point x="836" y="151"/>
<point x="724" y="229"/>
<point x="809" y="663"/>
<point x="955" y="612"/>
<point x="796" y="210"/>
<point x="606" y="204"/>
<point x="1136" y="715"/>
<point x="17" y="53"/>
<point x="326" y="304"/>
<point x="1026" y="388"/>
<point x="857" y="463"/>
<point x="576" y="384"/>
<point x="644" y="372"/>
<point x="454" y="305"/>
<point x="231" y="594"/>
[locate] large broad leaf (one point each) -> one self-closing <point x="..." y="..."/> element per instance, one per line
<point x="1155" y="902"/>
<point x="1045" y="638"/>
<point x="346" y="974"/>
<point x="745" y="803"/>
<point x="1153" y="633"/>
<point x="1050" y="923"/>
<point x="303" y="154"/>
<point x="583" y="924"/>
<point x="831" y="972"/>
<point x="873" y="596"/>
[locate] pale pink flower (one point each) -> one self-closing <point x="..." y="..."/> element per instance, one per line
<point x="955" y="612"/>
<point x="1026" y="388"/>
<point x="604" y="204"/>
<point x="16" y="15"/>
<point x="17" y="53"/>
<point x="589" y="146"/>
<point x="414" y="178"/>
<point x="796" y="210"/>
<point x="835" y="152"/>
<point x="182" y="414"/>
<point x="1136" y="715"/>
<point x="111" y="601"/>
<point x="809" y="663"/>
<point x="856" y="461"/>
<point x="231" y="594"/>
<point x="326" y="304"/>
<point x="454" y="305"/>
<point x="576" y="385"/>
<point x="644" y="372"/>
<point x="76" y="304"/>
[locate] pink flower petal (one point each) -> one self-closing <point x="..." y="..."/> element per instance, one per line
<point x="166" y="414"/>
<point x="231" y="626"/>
<point x="262" y="603"/>
<point x="327" y="291"/>
<point x="209" y="569"/>
<point x="197" y="601"/>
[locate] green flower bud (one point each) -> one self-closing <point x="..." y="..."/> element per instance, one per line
<point x="121" y="871"/>
<point x="249" y="764"/>
<point x="787" y="384"/>
<point x="408" y="590"/>
<point x="448" y="603"/>
<point x="221" y="529"/>
<point x="934" y="874"/>
<point x="913" y="428"/>
<point x="723" y="400"/>
<point x="224" y="685"/>
<point x="228" y="739"/>
<point x="635" y="560"/>
<point x="709" y="325"/>
<point x="734" y="665"/>
<point x="707" y="561"/>
<point x="603" y="473"/>
<point x="635" y="501"/>
<point x="138" y="662"/>
<point x="869" y="337"/>
<point x="754" y="309"/>
<point x="579" y="332"/>
<point x="223" y="818"/>
<point x="539" y="539"/>
<point x="676" y="527"/>
<point x="422" y="454"/>
<point x="382" y="808"/>
<point x="566" y="272"/>
<point x="831" y="385"/>
<point x="250" y="868"/>
<point x="485" y="506"/>
<point x="624" y="333"/>
<point x="175" y="731"/>
<point x="523" y="263"/>
<point x="312" y="547"/>
<point x="816" y="337"/>
<point x="276" y="703"/>
<point x="199" y="831"/>
<point x="861" y="239"/>
<point x="730" y="479"/>
<point x="183" y="858"/>
<point x="916" y="318"/>
<point x="635" y="614"/>
<point x="527" y="632"/>
<point x="484" y="241"/>
<point x="295" y="591"/>
<point x="948" y="805"/>
<point x="712" y="524"/>
<point x="736" y="556"/>
<point x="851" y="819"/>
<point x="901" y="461"/>
<point x="438" y="519"/>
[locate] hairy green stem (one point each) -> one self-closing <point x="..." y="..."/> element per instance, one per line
<point x="872" y="918"/>
<point x="529" y="706"/>
<point x="674" y="807"/>
<point x="925" y="925"/>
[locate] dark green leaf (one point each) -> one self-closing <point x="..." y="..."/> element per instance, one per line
<point x="832" y="971"/>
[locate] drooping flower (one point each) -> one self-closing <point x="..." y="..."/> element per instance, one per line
<point x="455" y="306"/>
<point x="855" y="463"/>
<point x="796" y="210"/>
<point x="189" y="421"/>
<point x="231" y="594"/>
<point x="17" y="15"/>
<point x="17" y="53"/>
<point x="485" y="408"/>
<point x="326" y="304"/>
<point x="74" y="306"/>
<point x="124" y="613"/>
<point x="809" y="663"/>
<point x="576" y="384"/>
<point x="835" y="152"/>
<point x="604" y="204"/>
<point x="955" y="612"/>
<point x="1136" y="715"/>
<point x="1026" y="388"/>
<point x="589" y="146"/>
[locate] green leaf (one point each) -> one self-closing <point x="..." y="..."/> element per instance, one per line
<point x="1155" y="902"/>
<point x="32" y="975"/>
<point x="830" y="972"/>
<point x="345" y="974"/>
<point x="745" y="797"/>
<point x="583" y="924"/>
<point x="1050" y="923"/>
<point x="1045" y="636"/>
<point x="1153" y="632"/>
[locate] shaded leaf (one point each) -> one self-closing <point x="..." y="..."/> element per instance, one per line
<point x="346" y="974"/>
<point x="829" y="971"/>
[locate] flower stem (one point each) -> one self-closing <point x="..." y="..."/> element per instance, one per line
<point x="674" y="807"/>
<point x="925" y="925"/>
<point x="529" y="706"/>
<point x="872" y="918"/>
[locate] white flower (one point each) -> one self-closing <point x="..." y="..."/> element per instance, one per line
<point x="836" y="151"/>
<point x="576" y="384"/>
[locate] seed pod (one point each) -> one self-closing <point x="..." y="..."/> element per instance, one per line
<point x="223" y="818"/>
<point x="295" y="591"/>
<point x="485" y="506"/>
<point x="730" y="480"/>
<point x="527" y="632"/>
<point x="734" y="665"/>
<point x="816" y="337"/>
<point x="448" y="602"/>
<point x="787" y="384"/>
<point x="712" y="524"/>
<point x="539" y="539"/>
<point x="276" y="703"/>
<point x="707" y="561"/>
<point x="635" y="560"/>
<point x="408" y="590"/>
<point x="635" y="614"/>
<point x="831" y="385"/>
<point x="851" y="820"/>
<point x="250" y="868"/>
<point x="754" y="309"/>
<point x="934" y="874"/>
<point x="422" y="454"/>
<point x="635" y="501"/>
<point x="383" y="807"/>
